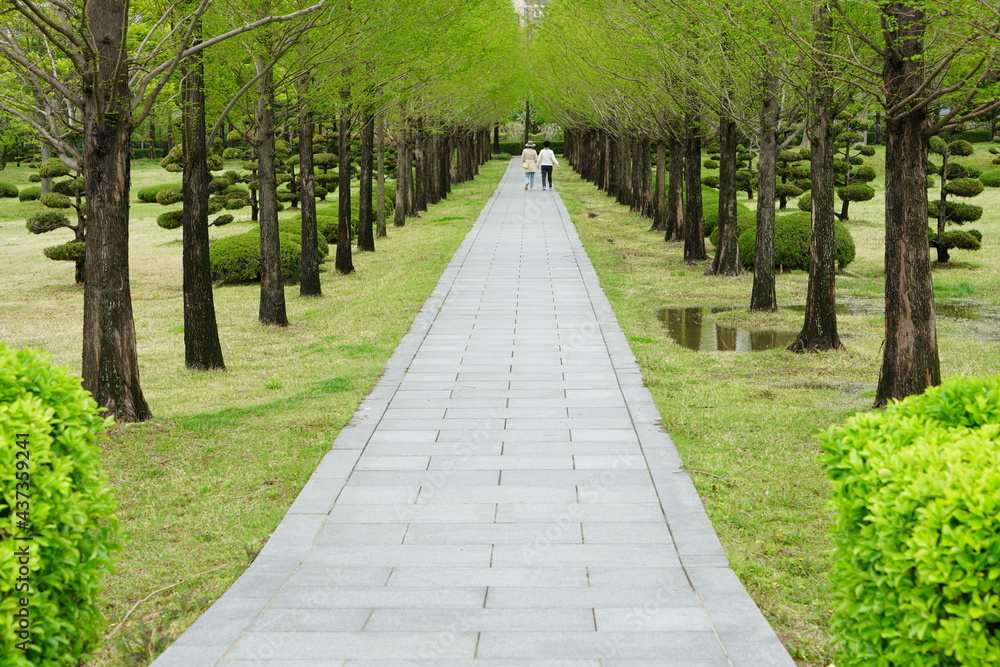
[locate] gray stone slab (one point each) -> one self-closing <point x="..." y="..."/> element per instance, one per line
<point x="493" y="533"/>
<point x="626" y="533"/>
<point x="679" y="596"/>
<point x="395" y="555"/>
<point x="414" y="513"/>
<point x="281" y="647"/>
<point x="489" y="576"/>
<point x="685" y="647"/>
<point x="572" y="512"/>
<point x="477" y="620"/>
<point x="553" y="555"/>
<point x="311" y="620"/>
<point x="311" y="597"/>
<point x="498" y="494"/>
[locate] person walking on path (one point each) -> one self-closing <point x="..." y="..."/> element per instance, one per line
<point x="529" y="161"/>
<point x="546" y="159"/>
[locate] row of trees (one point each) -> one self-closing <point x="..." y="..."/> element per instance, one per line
<point x="625" y="73"/>
<point x="430" y="75"/>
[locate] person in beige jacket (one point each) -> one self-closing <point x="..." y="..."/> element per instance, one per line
<point x="529" y="161"/>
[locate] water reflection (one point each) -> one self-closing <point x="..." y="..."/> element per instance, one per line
<point x="687" y="327"/>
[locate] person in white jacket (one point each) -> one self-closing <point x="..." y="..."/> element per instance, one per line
<point x="546" y="160"/>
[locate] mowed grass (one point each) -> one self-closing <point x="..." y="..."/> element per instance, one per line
<point x="745" y="422"/>
<point x="202" y="486"/>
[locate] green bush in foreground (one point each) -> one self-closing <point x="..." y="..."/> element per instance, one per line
<point x="71" y="526"/>
<point x="916" y="537"/>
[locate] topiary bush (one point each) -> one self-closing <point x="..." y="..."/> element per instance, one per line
<point x="170" y="219"/>
<point x="46" y="221"/>
<point x="7" y="189"/>
<point x="35" y="193"/>
<point x="964" y="187"/>
<point x="792" y="235"/>
<point x="917" y="529"/>
<point x="991" y="178"/>
<point x="56" y="200"/>
<point x="64" y="514"/>
<point x="73" y="251"/>
<point x="223" y="220"/>
<point x="169" y="196"/>
<point x="236" y="259"/>
<point x="148" y="194"/>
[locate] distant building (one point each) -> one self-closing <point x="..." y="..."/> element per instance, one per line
<point x="530" y="10"/>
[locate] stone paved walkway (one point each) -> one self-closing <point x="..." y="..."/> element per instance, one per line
<point x="504" y="497"/>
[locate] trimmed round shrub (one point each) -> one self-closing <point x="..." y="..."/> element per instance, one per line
<point x="233" y="136"/>
<point x="857" y="160"/>
<point x="34" y="178"/>
<point x="170" y="219"/>
<point x="863" y="174"/>
<point x="841" y="166"/>
<point x="30" y="194"/>
<point x="55" y="200"/>
<point x="937" y="145"/>
<point x="53" y="168"/>
<point x="215" y="163"/>
<point x="148" y="194"/>
<point x="964" y="187"/>
<point x="215" y="204"/>
<point x="956" y="170"/>
<point x="502" y="156"/>
<point x="962" y="239"/>
<point x="320" y="192"/>
<point x="711" y="180"/>
<point x="916" y="531"/>
<point x="956" y="212"/>
<point x="71" y="187"/>
<point x="169" y="196"/>
<point x="867" y="151"/>
<point x="74" y="251"/>
<point x="223" y="220"/>
<point x="806" y="202"/>
<point x="7" y="189"/>
<point x="46" y="221"/>
<point x="991" y="178"/>
<point x="786" y="190"/>
<point x="973" y="171"/>
<point x="961" y="147"/>
<point x="232" y="154"/>
<point x="710" y="164"/>
<point x="856" y="192"/>
<point x="218" y="184"/>
<point x="71" y="536"/>
<point x="286" y="196"/>
<point x="236" y="259"/>
<point x="792" y="235"/>
<point x="237" y="200"/>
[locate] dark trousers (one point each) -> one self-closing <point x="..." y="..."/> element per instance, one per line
<point x="547" y="175"/>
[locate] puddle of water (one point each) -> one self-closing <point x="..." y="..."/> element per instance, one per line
<point x="956" y="310"/>
<point x="686" y="326"/>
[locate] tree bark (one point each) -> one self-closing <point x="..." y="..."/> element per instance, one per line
<point x="402" y="180"/>
<point x="726" y="261"/>
<point x="309" y="282"/>
<point x="366" y="216"/>
<point x="110" y="363"/>
<point x="819" y="332"/>
<point x="910" y="361"/>
<point x="694" y="226"/>
<point x="675" y="192"/>
<point x="659" y="201"/>
<point x="202" y="349"/>
<point x="344" y="262"/>
<point x="763" y="297"/>
<point x="527" y="122"/>
<point x="380" y="212"/>
<point x="272" y="284"/>
<point x="420" y="167"/>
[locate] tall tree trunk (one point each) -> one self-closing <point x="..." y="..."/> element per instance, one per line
<point x="726" y="261"/>
<point x="202" y="349"/>
<point x="344" y="262"/>
<point x="420" y="167"/>
<point x="366" y="216"/>
<point x="380" y="212"/>
<point x="659" y="201"/>
<point x="694" y="225"/>
<point x="763" y="297"/>
<point x="152" y="138"/>
<point x="309" y="283"/>
<point x="675" y="192"/>
<point x="910" y="361"/>
<point x="402" y="180"/>
<point x="433" y="167"/>
<point x="46" y="153"/>
<point x="272" y="284"/>
<point x="527" y="122"/>
<point x="819" y="332"/>
<point x="496" y="138"/>
<point x="110" y="364"/>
